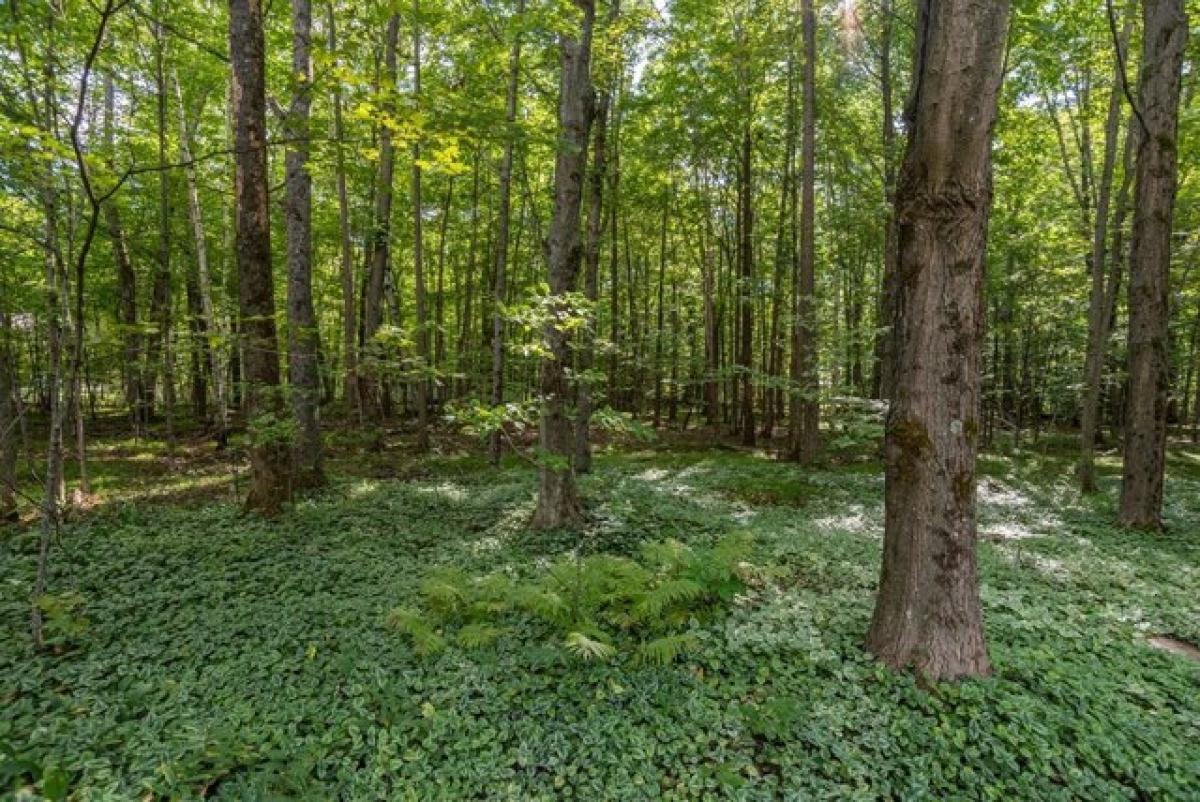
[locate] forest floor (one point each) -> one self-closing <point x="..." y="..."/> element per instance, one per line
<point x="198" y="653"/>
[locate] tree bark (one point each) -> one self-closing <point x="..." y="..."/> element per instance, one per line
<point x="9" y="421"/>
<point x="270" y="455"/>
<point x="927" y="612"/>
<point x="745" y="260"/>
<point x="1164" y="40"/>
<point x="304" y="342"/>
<point x="887" y="293"/>
<point x="423" y="365"/>
<point x="558" y="501"/>
<point x="162" y="278"/>
<point x="500" y="274"/>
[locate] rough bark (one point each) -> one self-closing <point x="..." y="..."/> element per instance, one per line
<point x="927" y="612"/>
<point x="1164" y="40"/>
<point x="558" y="502"/>
<point x="270" y="458"/>
<point x="304" y="342"/>
<point x="161" y="300"/>
<point x="500" y="274"/>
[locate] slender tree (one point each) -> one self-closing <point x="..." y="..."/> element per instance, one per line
<point x="927" y="612"/>
<point x="558" y="501"/>
<point x="270" y="454"/>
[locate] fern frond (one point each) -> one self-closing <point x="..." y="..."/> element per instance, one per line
<point x="667" y="595"/>
<point x="426" y="641"/>
<point x="545" y="604"/>
<point x="587" y="648"/>
<point x="476" y="636"/>
<point x="667" y="649"/>
<point x="445" y="590"/>
<point x="667" y="554"/>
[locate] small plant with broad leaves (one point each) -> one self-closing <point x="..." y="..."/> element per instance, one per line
<point x="597" y="607"/>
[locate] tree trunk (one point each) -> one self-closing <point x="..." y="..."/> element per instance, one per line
<point x="1097" y="307"/>
<point x="270" y="454"/>
<point x="806" y="409"/>
<point x="591" y="273"/>
<point x="162" y="277"/>
<point x="558" y="502"/>
<point x="745" y="259"/>
<point x="500" y="276"/>
<point x="660" y="312"/>
<point x="423" y="354"/>
<point x="1165" y="37"/>
<point x="303" y="335"/>
<point x="9" y="421"/>
<point x="927" y="612"/>
<point x="381" y="226"/>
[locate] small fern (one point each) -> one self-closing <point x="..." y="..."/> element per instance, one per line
<point x="668" y="594"/>
<point x="587" y="648"/>
<point x="667" y="649"/>
<point x="477" y="636"/>
<point x="426" y="641"/>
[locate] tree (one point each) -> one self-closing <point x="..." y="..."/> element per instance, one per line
<point x="1165" y="29"/>
<point x="558" y="501"/>
<point x="303" y="336"/>
<point x="927" y="612"/>
<point x="423" y="355"/>
<point x="270" y="449"/>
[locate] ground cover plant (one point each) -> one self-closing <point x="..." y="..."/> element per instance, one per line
<point x="205" y="654"/>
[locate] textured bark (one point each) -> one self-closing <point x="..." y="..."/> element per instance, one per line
<point x="304" y="342"/>
<point x="558" y="501"/>
<point x="806" y="409"/>
<point x="500" y="274"/>
<point x="660" y="312"/>
<point x="161" y="300"/>
<point x="784" y="256"/>
<point x="1165" y="37"/>
<point x="270" y="460"/>
<point x="349" y="307"/>
<point x="1097" y="342"/>
<point x="927" y="612"/>
<point x="591" y="273"/>
<point x="422" y="338"/>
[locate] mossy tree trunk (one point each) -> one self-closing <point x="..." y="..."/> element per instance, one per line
<point x="927" y="613"/>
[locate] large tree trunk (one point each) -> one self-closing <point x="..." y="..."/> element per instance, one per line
<point x="381" y="226"/>
<point x="270" y="456"/>
<point x="1165" y="36"/>
<point x="591" y="273"/>
<point x="927" y="612"/>
<point x="558" y="502"/>
<point x="304" y="341"/>
<point x="806" y="408"/>
<point x="500" y="276"/>
<point x="1097" y="341"/>
<point x="422" y="338"/>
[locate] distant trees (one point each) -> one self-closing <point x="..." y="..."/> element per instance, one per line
<point x="927" y="613"/>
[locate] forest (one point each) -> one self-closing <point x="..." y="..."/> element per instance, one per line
<point x="600" y="399"/>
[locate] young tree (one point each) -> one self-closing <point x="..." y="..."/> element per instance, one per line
<point x="503" y="224"/>
<point x="1165" y="29"/>
<point x="558" y="502"/>
<point x="927" y="612"/>
<point x="422" y="339"/>
<point x="270" y="454"/>
<point x="303" y="337"/>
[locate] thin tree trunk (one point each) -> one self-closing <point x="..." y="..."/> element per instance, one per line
<point x="1165" y="37"/>
<point x="927" y="612"/>
<point x="423" y="355"/>
<point x="10" y="429"/>
<point x="745" y="259"/>
<point x="304" y="342"/>
<point x="660" y="311"/>
<point x="162" y="277"/>
<point x="887" y="292"/>
<point x="500" y="275"/>
<point x="558" y="501"/>
<point x="270" y="458"/>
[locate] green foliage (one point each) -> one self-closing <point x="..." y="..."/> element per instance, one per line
<point x="584" y="599"/>
<point x="232" y="658"/>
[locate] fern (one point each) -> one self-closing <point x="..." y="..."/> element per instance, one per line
<point x="587" y="648"/>
<point x="545" y="604"/>
<point x="445" y="590"/>
<point x="667" y="649"/>
<point x="426" y="641"/>
<point x="670" y="593"/>
<point x="476" y="636"/>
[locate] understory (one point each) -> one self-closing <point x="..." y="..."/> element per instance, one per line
<point x="201" y="653"/>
